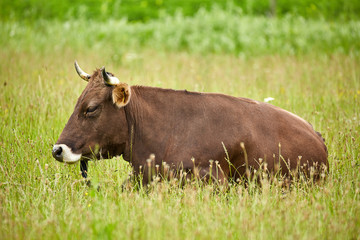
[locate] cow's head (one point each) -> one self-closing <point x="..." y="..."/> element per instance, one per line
<point x="98" y="125"/>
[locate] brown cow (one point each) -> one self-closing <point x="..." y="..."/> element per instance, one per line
<point x="184" y="129"/>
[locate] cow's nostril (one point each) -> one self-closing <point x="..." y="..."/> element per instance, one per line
<point x="57" y="153"/>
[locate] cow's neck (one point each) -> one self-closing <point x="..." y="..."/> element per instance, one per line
<point x="150" y="122"/>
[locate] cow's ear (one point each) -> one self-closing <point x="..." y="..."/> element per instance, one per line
<point x="121" y="94"/>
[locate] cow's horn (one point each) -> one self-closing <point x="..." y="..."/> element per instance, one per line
<point x="81" y="73"/>
<point x="109" y="80"/>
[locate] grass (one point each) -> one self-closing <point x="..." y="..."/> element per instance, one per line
<point x="41" y="198"/>
<point x="215" y="31"/>
<point x="145" y="10"/>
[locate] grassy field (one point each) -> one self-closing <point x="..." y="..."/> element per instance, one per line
<point x="145" y="10"/>
<point x="43" y="199"/>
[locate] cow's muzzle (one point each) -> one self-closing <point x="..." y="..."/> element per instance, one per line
<point x="63" y="153"/>
<point x="57" y="153"/>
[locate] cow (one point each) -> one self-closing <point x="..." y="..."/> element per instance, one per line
<point x="184" y="129"/>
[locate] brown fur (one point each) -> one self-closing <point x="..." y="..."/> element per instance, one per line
<point x="177" y="126"/>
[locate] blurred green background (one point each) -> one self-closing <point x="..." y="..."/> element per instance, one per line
<point x="241" y="28"/>
<point x="145" y="10"/>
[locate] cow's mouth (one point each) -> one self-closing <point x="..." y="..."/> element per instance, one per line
<point x="90" y="156"/>
<point x="94" y="152"/>
<point x="63" y="153"/>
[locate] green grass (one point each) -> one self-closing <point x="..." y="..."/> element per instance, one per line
<point x="214" y="31"/>
<point x="43" y="199"/>
<point x="145" y="10"/>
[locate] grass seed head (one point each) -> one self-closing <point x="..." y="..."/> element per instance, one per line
<point x="148" y="161"/>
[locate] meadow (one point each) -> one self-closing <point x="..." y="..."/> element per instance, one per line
<point x="310" y="67"/>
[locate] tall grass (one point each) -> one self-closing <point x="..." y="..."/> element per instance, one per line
<point x="41" y="198"/>
<point x="145" y="10"/>
<point x="216" y="31"/>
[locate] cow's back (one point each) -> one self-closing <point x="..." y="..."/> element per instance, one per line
<point x="283" y="137"/>
<point x="178" y="125"/>
<point x="268" y="132"/>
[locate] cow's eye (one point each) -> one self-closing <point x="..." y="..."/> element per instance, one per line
<point x="91" y="109"/>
